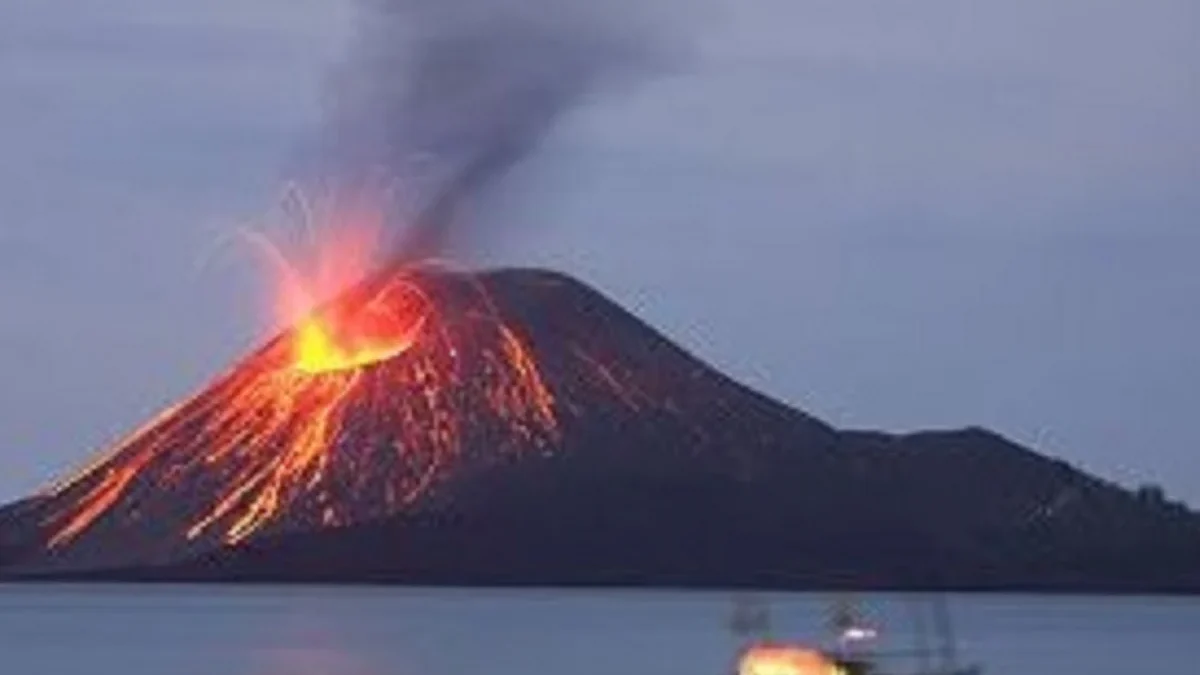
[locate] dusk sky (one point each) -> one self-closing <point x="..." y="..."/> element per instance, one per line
<point x="896" y="215"/>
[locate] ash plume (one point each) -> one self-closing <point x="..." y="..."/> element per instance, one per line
<point x="440" y="98"/>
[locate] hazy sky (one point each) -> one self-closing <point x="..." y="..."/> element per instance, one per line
<point x="891" y="214"/>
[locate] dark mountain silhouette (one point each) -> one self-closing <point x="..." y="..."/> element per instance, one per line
<point x="17" y="530"/>
<point x="563" y="441"/>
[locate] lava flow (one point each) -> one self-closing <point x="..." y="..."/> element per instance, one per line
<point x="367" y="403"/>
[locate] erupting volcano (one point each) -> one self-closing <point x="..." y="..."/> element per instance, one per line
<point x="355" y="413"/>
<point x="515" y="426"/>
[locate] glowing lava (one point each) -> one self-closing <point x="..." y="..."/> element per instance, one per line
<point x="317" y="351"/>
<point x="340" y="340"/>
<point x="364" y="405"/>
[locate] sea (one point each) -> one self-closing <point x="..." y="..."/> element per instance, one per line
<point x="311" y="630"/>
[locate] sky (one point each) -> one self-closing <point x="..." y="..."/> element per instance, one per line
<point x="896" y="215"/>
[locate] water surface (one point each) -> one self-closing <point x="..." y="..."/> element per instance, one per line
<point x="195" y="630"/>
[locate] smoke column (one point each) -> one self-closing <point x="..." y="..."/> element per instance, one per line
<point x="440" y="98"/>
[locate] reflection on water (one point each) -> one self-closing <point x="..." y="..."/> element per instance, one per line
<point x="308" y="645"/>
<point x="159" y="630"/>
<point x="309" y="661"/>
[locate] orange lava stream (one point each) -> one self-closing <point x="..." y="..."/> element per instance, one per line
<point x="96" y="501"/>
<point x="255" y="494"/>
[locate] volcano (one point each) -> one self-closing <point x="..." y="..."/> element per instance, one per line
<point x="517" y="427"/>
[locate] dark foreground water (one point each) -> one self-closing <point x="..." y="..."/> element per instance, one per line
<point x="156" y="630"/>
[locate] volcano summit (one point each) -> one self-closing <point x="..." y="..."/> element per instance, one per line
<point x="517" y="427"/>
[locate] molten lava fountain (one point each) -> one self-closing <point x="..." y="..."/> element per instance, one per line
<point x="350" y="415"/>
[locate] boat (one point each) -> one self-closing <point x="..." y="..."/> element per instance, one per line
<point x="852" y="650"/>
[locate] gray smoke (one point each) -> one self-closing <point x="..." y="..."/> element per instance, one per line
<point x="440" y="98"/>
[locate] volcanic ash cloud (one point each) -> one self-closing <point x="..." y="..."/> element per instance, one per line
<point x="438" y="100"/>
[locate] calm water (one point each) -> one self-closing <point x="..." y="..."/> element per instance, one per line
<point x="368" y="631"/>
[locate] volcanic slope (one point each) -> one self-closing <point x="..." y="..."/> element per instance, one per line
<point x="534" y="432"/>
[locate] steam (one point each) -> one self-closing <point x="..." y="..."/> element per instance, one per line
<point x="440" y="98"/>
